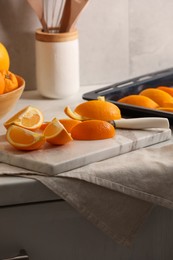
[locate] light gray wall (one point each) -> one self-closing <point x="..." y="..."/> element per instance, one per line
<point x="118" y="39"/>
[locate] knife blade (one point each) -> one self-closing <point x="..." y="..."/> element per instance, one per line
<point x="141" y="123"/>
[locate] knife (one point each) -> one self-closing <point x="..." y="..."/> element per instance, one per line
<point x="141" y="123"/>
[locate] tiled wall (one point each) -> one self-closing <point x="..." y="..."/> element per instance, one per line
<point x="118" y="39"/>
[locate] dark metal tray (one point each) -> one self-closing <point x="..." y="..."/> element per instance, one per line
<point x="133" y="86"/>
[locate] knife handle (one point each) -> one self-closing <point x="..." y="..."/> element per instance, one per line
<point x="142" y="123"/>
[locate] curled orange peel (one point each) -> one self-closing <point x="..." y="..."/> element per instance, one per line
<point x="74" y="115"/>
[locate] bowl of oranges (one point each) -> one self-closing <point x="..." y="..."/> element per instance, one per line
<point x="11" y="85"/>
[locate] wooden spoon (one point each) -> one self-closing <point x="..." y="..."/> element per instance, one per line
<point x="38" y="9"/>
<point x="77" y="7"/>
<point x="64" y="22"/>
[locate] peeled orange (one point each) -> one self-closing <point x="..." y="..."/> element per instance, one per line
<point x="93" y="130"/>
<point x="29" y="118"/>
<point x="24" y="139"/>
<point x="4" y="58"/>
<point x="56" y="134"/>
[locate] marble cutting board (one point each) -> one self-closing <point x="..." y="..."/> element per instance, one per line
<point x="54" y="160"/>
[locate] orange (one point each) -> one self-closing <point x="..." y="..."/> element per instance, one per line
<point x="157" y="95"/>
<point x="10" y="80"/>
<point x="168" y="104"/>
<point x="2" y="84"/>
<point x="29" y="118"/>
<point x="166" y="109"/>
<point x="56" y="134"/>
<point x="24" y="139"/>
<point x="168" y="90"/>
<point x="138" y="100"/>
<point x="4" y="58"/>
<point x="66" y="122"/>
<point x="69" y="123"/>
<point x="74" y="115"/>
<point x="93" y="130"/>
<point x="95" y="109"/>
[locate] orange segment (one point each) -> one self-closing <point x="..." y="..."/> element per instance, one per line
<point x="138" y="100"/>
<point x="168" y="90"/>
<point x="157" y="95"/>
<point x="24" y="139"/>
<point x="66" y="122"/>
<point x="98" y="109"/>
<point x="29" y="118"/>
<point x="93" y="130"/>
<point x="69" y="123"/>
<point x="56" y="134"/>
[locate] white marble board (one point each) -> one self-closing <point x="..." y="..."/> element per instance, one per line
<point x="52" y="160"/>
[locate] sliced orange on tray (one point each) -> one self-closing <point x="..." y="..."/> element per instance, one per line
<point x="157" y="95"/>
<point x="29" y="118"/>
<point x="139" y="100"/>
<point x="56" y="134"/>
<point x="24" y="139"/>
<point x="166" y="89"/>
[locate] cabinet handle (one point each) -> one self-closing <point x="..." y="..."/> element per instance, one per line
<point x="22" y="256"/>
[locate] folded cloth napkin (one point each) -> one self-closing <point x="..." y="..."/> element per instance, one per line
<point x="116" y="194"/>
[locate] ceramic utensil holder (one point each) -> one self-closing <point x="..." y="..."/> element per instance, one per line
<point x="57" y="64"/>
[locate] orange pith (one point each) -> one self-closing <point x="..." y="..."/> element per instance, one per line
<point x="168" y="90"/>
<point x="98" y="109"/>
<point x="93" y="130"/>
<point x="56" y="134"/>
<point x="157" y="95"/>
<point x="24" y="139"/>
<point x="29" y="118"/>
<point x="139" y="100"/>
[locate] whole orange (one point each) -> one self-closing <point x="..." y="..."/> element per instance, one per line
<point x="4" y="58"/>
<point x="2" y="84"/>
<point x="10" y="79"/>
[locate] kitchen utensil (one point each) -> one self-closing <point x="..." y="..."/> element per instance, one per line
<point x="77" y="7"/>
<point x="38" y="9"/>
<point x="141" y="123"/>
<point x="64" y="22"/>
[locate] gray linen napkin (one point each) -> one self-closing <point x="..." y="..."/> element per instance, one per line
<point x="116" y="194"/>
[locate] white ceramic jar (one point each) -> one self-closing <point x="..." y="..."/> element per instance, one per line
<point x="57" y="64"/>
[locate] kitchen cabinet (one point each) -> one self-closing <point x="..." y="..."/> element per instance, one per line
<point x="52" y="229"/>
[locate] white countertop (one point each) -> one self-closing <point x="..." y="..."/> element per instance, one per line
<point x="18" y="190"/>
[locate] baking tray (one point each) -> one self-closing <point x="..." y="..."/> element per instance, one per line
<point x="133" y="86"/>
